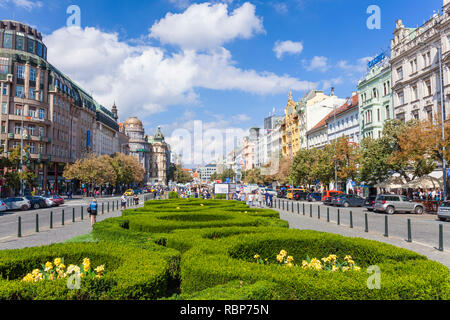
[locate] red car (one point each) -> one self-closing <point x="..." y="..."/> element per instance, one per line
<point x="57" y="200"/>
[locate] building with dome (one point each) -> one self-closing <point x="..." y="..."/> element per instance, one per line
<point x="160" y="161"/>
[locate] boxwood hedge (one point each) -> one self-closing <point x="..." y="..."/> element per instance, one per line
<point x="404" y="274"/>
<point x="132" y="273"/>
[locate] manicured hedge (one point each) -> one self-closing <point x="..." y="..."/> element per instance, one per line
<point x="404" y="274"/>
<point x="132" y="273"/>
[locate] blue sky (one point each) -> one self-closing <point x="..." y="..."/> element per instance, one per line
<point x="151" y="58"/>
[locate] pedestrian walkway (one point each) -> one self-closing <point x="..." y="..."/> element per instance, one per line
<point x="305" y="222"/>
<point x="59" y="233"/>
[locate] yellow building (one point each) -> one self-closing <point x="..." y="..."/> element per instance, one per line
<point x="290" y="133"/>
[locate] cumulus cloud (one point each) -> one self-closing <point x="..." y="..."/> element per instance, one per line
<point x="359" y="67"/>
<point x="287" y="47"/>
<point x="207" y="26"/>
<point x="317" y="63"/>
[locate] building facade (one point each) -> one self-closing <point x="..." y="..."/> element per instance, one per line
<point x="346" y="121"/>
<point x="290" y="132"/>
<point x="415" y="59"/>
<point x="375" y="97"/>
<point x="160" y="159"/>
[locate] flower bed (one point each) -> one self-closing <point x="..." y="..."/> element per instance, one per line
<point x="132" y="273"/>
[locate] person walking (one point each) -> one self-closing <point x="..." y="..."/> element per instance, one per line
<point x="123" y="202"/>
<point x="136" y="200"/>
<point x="270" y="200"/>
<point x="93" y="211"/>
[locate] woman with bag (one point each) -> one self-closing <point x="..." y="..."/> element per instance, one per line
<point x="92" y="209"/>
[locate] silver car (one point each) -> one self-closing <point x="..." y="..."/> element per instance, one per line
<point x="392" y="203"/>
<point x="444" y="211"/>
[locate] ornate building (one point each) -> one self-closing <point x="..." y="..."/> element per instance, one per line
<point x="138" y="144"/>
<point x="160" y="161"/>
<point x="290" y="133"/>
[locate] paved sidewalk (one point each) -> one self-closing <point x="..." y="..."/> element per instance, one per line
<point x="59" y="233"/>
<point x="305" y="222"/>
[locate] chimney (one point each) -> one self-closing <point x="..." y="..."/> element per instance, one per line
<point x="332" y="91"/>
<point x="354" y="93"/>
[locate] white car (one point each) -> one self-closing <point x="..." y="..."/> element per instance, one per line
<point x="270" y="191"/>
<point x="49" y="202"/>
<point x="3" y="206"/>
<point x="17" y="203"/>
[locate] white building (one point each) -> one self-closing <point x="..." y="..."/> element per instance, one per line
<point x="206" y="171"/>
<point x="345" y="122"/>
<point x="312" y="109"/>
<point x="317" y="137"/>
<point x="106" y="132"/>
<point x="415" y="67"/>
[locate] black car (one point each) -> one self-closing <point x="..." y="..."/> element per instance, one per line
<point x="328" y="201"/>
<point x="281" y="193"/>
<point x="314" y="197"/>
<point x="300" y="195"/>
<point x="36" y="202"/>
<point x="369" y="203"/>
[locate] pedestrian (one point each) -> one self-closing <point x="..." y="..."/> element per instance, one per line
<point x="93" y="211"/>
<point x="270" y="200"/>
<point x="136" y="200"/>
<point x="266" y="198"/>
<point x="123" y="202"/>
<point x="250" y="199"/>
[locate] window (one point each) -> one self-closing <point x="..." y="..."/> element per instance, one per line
<point x="30" y="47"/>
<point x="32" y="74"/>
<point x="31" y="94"/>
<point x="401" y="98"/>
<point x="374" y="93"/>
<point x="41" y="131"/>
<point x="20" y="92"/>
<point x="414" y="92"/>
<point x="18" y="110"/>
<point x="41" y="148"/>
<point x="378" y="115"/>
<point x="20" y="43"/>
<point x="430" y="114"/>
<point x="33" y="148"/>
<point x="4" y="62"/>
<point x="4" y="89"/>
<point x="41" y="114"/>
<point x="413" y="66"/>
<point x="428" y="87"/>
<point x="31" y="130"/>
<point x="7" y="40"/>
<point x="415" y="115"/>
<point x="17" y="129"/>
<point x="4" y="108"/>
<point x="41" y="77"/>
<point x="400" y="73"/>
<point x="385" y="88"/>
<point x="388" y="115"/>
<point x="3" y="127"/>
<point x="32" y="112"/>
<point x="20" y="72"/>
<point x="39" y="48"/>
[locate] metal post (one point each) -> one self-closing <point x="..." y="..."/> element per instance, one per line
<point x="328" y="214"/>
<point x="37" y="222"/>
<point x="409" y="231"/>
<point x="351" y="219"/>
<point x="82" y="212"/>
<point x="318" y="212"/>
<point x="19" y="227"/>
<point x="292" y="207"/>
<point x="62" y="218"/>
<point x="366" y="223"/>
<point x="51" y="219"/>
<point x="441" y="238"/>
<point x="103" y="207"/>
<point x="108" y="206"/>
<point x="303" y="209"/>
<point x="73" y="214"/>
<point x="339" y="217"/>
<point x="283" y="204"/>
<point x="386" y="228"/>
<point x="310" y="210"/>
<point x="298" y="208"/>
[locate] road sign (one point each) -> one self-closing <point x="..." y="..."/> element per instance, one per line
<point x="221" y="188"/>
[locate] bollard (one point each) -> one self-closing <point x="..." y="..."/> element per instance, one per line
<point x="409" y="231"/>
<point x="82" y="212"/>
<point x="292" y="208"/>
<point x="339" y="217"/>
<point x="108" y="206"/>
<point x="351" y="220"/>
<point x="103" y="207"/>
<point x="441" y="238"/>
<point x="386" y="228"/>
<point x="310" y="210"/>
<point x="62" y="217"/>
<point x="366" y="223"/>
<point x="303" y="209"/>
<point x="318" y="212"/>
<point x="73" y="214"/>
<point x="328" y="214"/>
<point x="113" y="206"/>
<point x="283" y="204"/>
<point x="37" y="223"/>
<point x="19" y="227"/>
<point x="298" y="208"/>
<point x="51" y="219"/>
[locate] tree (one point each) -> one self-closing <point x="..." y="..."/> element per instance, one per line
<point x="300" y="171"/>
<point x="346" y="157"/>
<point x="93" y="170"/>
<point x="254" y="176"/>
<point x="182" y="176"/>
<point x="374" y="164"/>
<point x="127" y="168"/>
<point x="284" y="170"/>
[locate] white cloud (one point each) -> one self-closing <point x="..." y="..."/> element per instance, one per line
<point x="289" y="47"/>
<point x="327" y="84"/>
<point x="207" y="26"/>
<point x="280" y="7"/>
<point x="145" y="79"/>
<point x="317" y="63"/>
<point x="359" y="67"/>
<point x="26" y="4"/>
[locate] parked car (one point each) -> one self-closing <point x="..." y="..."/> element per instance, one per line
<point x="270" y="191"/>
<point x="58" y="200"/>
<point x="3" y="206"/>
<point x="37" y="202"/>
<point x="393" y="203"/>
<point x="281" y="193"/>
<point x="49" y="202"/>
<point x="330" y="193"/>
<point x="314" y="196"/>
<point x="137" y="191"/>
<point x="17" y="203"/>
<point x="328" y="201"/>
<point x="347" y="200"/>
<point x="129" y="193"/>
<point x="369" y="203"/>
<point x="444" y="211"/>
<point x="300" y="195"/>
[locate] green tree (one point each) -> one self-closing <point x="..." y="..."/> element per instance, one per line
<point x="374" y="166"/>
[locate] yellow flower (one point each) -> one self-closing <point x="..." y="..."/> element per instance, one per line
<point x="289" y="265"/>
<point x="344" y="269"/>
<point x="351" y="262"/>
<point x="290" y="258"/>
<point x="325" y="260"/>
<point x="100" y="269"/>
<point x="356" y="268"/>
<point x="305" y="264"/>
<point x="348" y="258"/>
<point x="86" y="267"/>
<point x="57" y="261"/>
<point x="245" y="212"/>
<point x="81" y="275"/>
<point x="201" y="204"/>
<point x="61" y="266"/>
<point x="86" y="261"/>
<point x="28" y="278"/>
<point x="279" y="258"/>
<point x="48" y="266"/>
<point x="178" y="208"/>
<point x="256" y="256"/>
<point x="332" y="257"/>
<point x="35" y="272"/>
<point x="283" y="253"/>
<point x="334" y="268"/>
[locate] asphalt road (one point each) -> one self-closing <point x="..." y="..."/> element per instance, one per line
<point x="424" y="228"/>
<point x="71" y="208"/>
